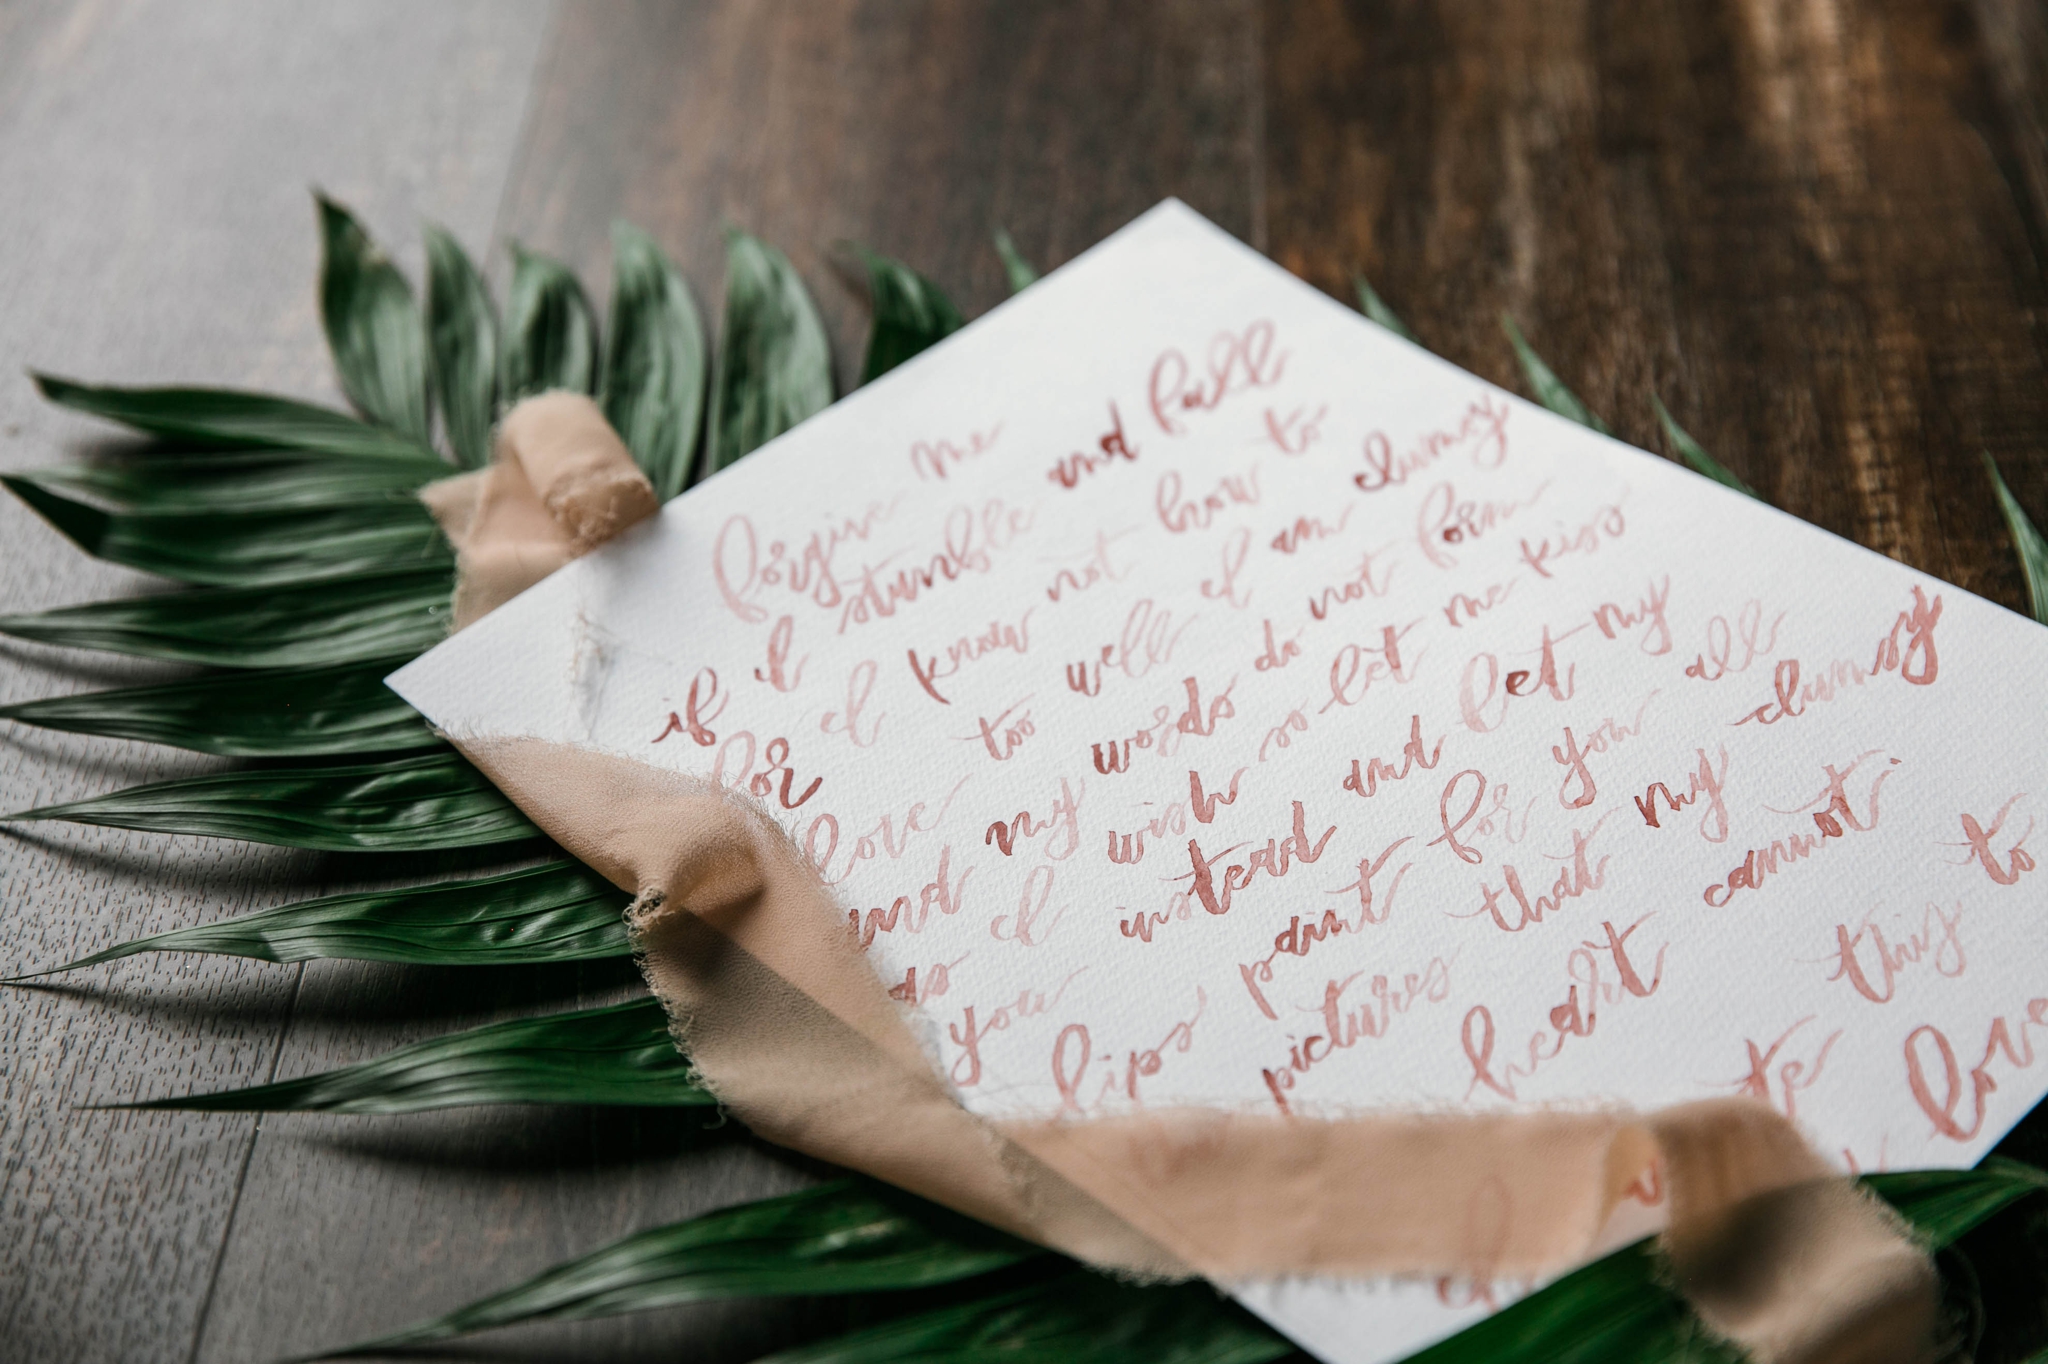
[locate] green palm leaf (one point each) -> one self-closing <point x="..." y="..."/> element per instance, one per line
<point x="1695" y="454"/>
<point x="1944" y="1204"/>
<point x="551" y="337"/>
<point x="404" y="805"/>
<point x="2026" y="542"/>
<point x="248" y="549"/>
<point x="616" y="1056"/>
<point x="1076" y="1318"/>
<point x="654" y="362"/>
<point x="1550" y="390"/>
<point x="339" y="620"/>
<point x="462" y="336"/>
<point x="1613" y="1309"/>
<point x="243" y="481"/>
<point x="1019" y="270"/>
<point x="848" y="1236"/>
<point x="910" y="314"/>
<point x="1375" y="307"/>
<point x="559" y="911"/>
<point x="774" y="364"/>
<point x="1619" y="1307"/>
<point x="373" y="326"/>
<point x="249" y="713"/>
<point x="217" y="416"/>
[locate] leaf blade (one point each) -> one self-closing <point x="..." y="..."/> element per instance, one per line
<point x="1019" y="270"/>
<point x="216" y="416"/>
<point x="1375" y="308"/>
<point x="462" y="336"/>
<point x="617" y="1056"/>
<point x="2027" y="542"/>
<point x="654" y="362"/>
<point x="243" y="481"/>
<point x="774" y="365"/>
<point x="910" y="314"/>
<point x="1614" y="1308"/>
<point x="250" y="713"/>
<point x="417" y="804"/>
<point x="373" y="326"/>
<point x="559" y="911"/>
<point x="247" y="549"/>
<point x="551" y="334"/>
<point x="1944" y="1204"/>
<point x="1550" y="390"/>
<point x="1075" y="1318"/>
<point x="847" y="1236"/>
<point x="339" y="620"/>
<point x="1695" y="454"/>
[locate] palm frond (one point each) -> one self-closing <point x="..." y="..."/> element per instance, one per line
<point x="556" y="912"/>
<point x="619" y="1055"/>
<point x="774" y="366"/>
<point x="373" y="327"/>
<point x="1944" y="1204"/>
<point x="1550" y="390"/>
<point x="1695" y="454"/>
<point x="249" y="713"/>
<point x="435" y="801"/>
<point x="1019" y="270"/>
<point x="245" y="548"/>
<point x="654" y="362"/>
<point x="550" y="334"/>
<point x="240" y="481"/>
<point x="1076" y="1318"/>
<point x="1616" y="1308"/>
<point x="909" y="314"/>
<point x="337" y="620"/>
<point x="2026" y="542"/>
<point x="1375" y="307"/>
<point x="226" y="417"/>
<point x="846" y="1236"/>
<point x="462" y="342"/>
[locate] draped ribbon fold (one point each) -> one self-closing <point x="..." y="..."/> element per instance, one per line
<point x="786" y="1022"/>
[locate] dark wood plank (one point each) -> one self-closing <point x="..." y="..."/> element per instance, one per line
<point x="914" y="128"/>
<point x="157" y="228"/>
<point x="1813" y="227"/>
<point x="2015" y="37"/>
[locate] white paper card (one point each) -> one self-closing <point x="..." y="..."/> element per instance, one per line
<point x="1195" y="694"/>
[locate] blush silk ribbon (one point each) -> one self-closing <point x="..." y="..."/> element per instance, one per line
<point x="560" y="483"/>
<point x="785" y="1021"/>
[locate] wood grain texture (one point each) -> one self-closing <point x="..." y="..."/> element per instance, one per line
<point x="156" y="226"/>
<point x="915" y="128"/>
<point x="1817" y="227"/>
<point x="1813" y="225"/>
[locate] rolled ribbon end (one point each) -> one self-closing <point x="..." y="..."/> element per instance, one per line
<point x="1818" y="1272"/>
<point x="560" y="484"/>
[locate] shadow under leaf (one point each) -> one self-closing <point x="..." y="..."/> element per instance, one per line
<point x="529" y="1140"/>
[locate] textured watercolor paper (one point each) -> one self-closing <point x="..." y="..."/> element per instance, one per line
<point x="1195" y="694"/>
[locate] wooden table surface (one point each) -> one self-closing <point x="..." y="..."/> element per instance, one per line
<point x="1816" y="227"/>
